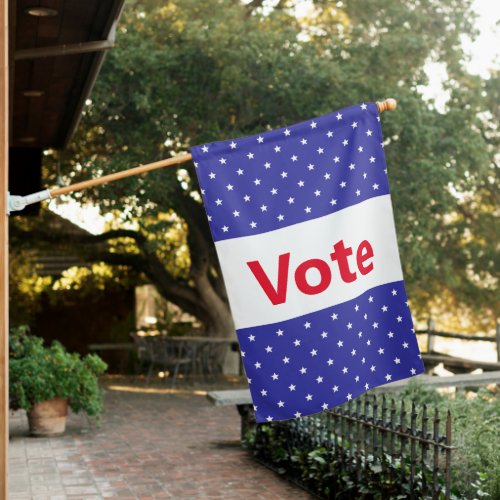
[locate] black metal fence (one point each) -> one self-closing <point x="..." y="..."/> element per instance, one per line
<point x="405" y="451"/>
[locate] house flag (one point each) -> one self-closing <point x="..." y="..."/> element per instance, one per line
<point x="304" y="230"/>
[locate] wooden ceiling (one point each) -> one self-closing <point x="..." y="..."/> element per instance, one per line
<point x="55" y="59"/>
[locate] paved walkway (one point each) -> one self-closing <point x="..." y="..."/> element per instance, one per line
<point x="150" y="445"/>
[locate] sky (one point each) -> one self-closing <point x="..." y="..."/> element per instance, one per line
<point x="484" y="52"/>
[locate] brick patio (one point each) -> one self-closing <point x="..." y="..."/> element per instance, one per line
<point x="160" y="444"/>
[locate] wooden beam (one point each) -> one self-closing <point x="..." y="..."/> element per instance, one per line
<point x="4" y="248"/>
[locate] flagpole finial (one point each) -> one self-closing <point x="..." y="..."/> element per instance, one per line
<point x="387" y="105"/>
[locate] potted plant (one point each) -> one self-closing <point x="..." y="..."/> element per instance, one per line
<point x="45" y="380"/>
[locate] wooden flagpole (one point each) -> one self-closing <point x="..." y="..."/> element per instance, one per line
<point x="387" y="105"/>
<point x="4" y="249"/>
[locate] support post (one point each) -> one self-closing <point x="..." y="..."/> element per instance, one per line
<point x="4" y="248"/>
<point x="431" y="326"/>
<point x="498" y="340"/>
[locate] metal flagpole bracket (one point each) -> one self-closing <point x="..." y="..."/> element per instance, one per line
<point x="16" y="203"/>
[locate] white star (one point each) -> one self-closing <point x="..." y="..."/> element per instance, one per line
<point x="340" y="343"/>
<point x="260" y="139"/>
<point x="253" y="224"/>
<point x="405" y="345"/>
<point x="263" y="392"/>
<point x="222" y="161"/>
<point x="290" y="200"/>
<point x="277" y="149"/>
<point x="294" y="158"/>
<point x="339" y="116"/>
<point x="269" y="419"/>
<point x="303" y="142"/>
<point x="233" y="145"/>
<point x="369" y="133"/>
<point x="303" y="370"/>
<point x="349" y="326"/>
<point x="225" y="229"/>
<point x="284" y="174"/>
<point x="229" y="187"/>
<point x="397" y="361"/>
<point x="345" y="142"/>
<point x="251" y="338"/>
<point x="263" y="208"/>
<point x="333" y="202"/>
<point x="286" y="360"/>
<point x="242" y="354"/>
<point x="373" y="368"/>
<point x="317" y="192"/>
<point x="212" y="175"/>
<point x="297" y="414"/>
<point x="352" y="166"/>
<point x="218" y="202"/>
<point x="239" y="171"/>
<point x="274" y="191"/>
<point x="275" y="376"/>
<point x="279" y="332"/>
<point x="307" y="325"/>
<point x="319" y="380"/>
<point x="345" y="370"/>
<point x="313" y="124"/>
<point x="309" y="397"/>
<point x="327" y="176"/>
<point x="324" y="406"/>
<point x="246" y="197"/>
<point x="384" y="308"/>
<point x="334" y="316"/>
<point x="257" y="182"/>
<point x="329" y="133"/>
<point x="394" y="292"/>
<point x="363" y="106"/>
<point x="324" y="334"/>
<point x="269" y="349"/>
<point x="330" y="362"/>
<point x="336" y="159"/>
<point x="320" y="151"/>
<point x="296" y="342"/>
<point x="310" y="167"/>
<point x="413" y="371"/>
<point x="381" y="351"/>
<point x="204" y="149"/>
<point x="375" y="325"/>
<point x="356" y="308"/>
<point x="250" y="156"/>
<point x="390" y="335"/>
<point x="343" y="184"/>
<point x="354" y="124"/>
<point x="368" y="342"/>
<point x="281" y="217"/>
<point x="370" y="299"/>
<point x="375" y="187"/>
<point x="358" y="192"/>
<point x="281" y="404"/>
<point x="372" y="159"/>
<point x="286" y="132"/>
<point x="364" y="175"/>
<point x="399" y="318"/>
<point x="388" y="377"/>
<point x="356" y="378"/>
<point x="257" y="365"/>
<point x="300" y="183"/>
<point x="267" y="165"/>
<point x="307" y="210"/>
<point x="335" y="388"/>
<point x="367" y="386"/>
<point x="353" y="352"/>
<point x="314" y="352"/>
<point x="360" y="149"/>
<point x="291" y="387"/>
<point x="236" y="213"/>
<point x="349" y="397"/>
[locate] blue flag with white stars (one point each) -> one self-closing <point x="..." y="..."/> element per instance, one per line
<point x="303" y="225"/>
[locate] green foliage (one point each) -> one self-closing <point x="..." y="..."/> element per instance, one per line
<point x="38" y="373"/>
<point x="188" y="72"/>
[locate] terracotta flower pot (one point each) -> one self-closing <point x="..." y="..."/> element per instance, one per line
<point x="48" y="417"/>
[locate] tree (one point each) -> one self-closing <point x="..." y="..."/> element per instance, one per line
<point x="188" y="72"/>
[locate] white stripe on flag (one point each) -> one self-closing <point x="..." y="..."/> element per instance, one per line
<point x="371" y="220"/>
